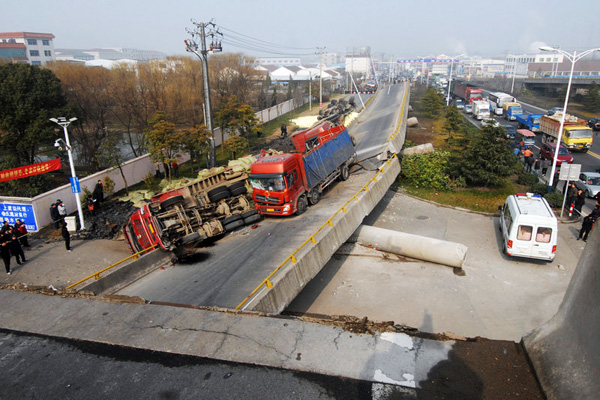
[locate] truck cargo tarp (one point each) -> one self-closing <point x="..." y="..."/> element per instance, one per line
<point x="322" y="161"/>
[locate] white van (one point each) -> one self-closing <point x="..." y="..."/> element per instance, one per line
<point x="529" y="227"/>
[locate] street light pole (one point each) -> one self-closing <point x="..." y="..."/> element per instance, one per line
<point x="573" y="58"/>
<point x="62" y="121"/>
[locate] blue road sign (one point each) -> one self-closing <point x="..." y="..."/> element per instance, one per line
<point x="75" y="188"/>
<point x="11" y="211"/>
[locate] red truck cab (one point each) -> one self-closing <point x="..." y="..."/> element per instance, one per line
<point x="277" y="183"/>
<point x="140" y="230"/>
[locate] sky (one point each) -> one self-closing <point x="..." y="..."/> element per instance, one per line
<point x="393" y="29"/>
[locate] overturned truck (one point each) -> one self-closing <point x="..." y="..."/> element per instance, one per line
<point x="181" y="219"/>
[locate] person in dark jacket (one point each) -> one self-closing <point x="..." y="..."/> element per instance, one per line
<point x="66" y="235"/>
<point x="586" y="227"/>
<point x="5" y="250"/>
<point x="21" y="233"/>
<point x="5" y="227"/>
<point x="98" y="193"/>
<point x="54" y="215"/>
<point x="579" y="202"/>
<point x="15" y="247"/>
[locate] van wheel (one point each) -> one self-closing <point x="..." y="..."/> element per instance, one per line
<point x="301" y="205"/>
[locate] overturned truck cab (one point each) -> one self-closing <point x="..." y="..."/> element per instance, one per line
<point x="181" y="219"/>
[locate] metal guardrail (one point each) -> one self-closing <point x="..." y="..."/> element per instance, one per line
<point x="96" y="275"/>
<point x="291" y="258"/>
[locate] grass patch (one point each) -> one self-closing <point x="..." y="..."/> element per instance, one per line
<point x="476" y="199"/>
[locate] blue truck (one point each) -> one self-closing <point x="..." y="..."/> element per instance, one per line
<point x="529" y="121"/>
<point x="511" y="110"/>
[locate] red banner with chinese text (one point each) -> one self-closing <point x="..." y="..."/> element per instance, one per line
<point x="29" y="170"/>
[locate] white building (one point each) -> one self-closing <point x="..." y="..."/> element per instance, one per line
<point x="112" y="54"/>
<point x="285" y="61"/>
<point x="39" y="47"/>
<point x="358" y="64"/>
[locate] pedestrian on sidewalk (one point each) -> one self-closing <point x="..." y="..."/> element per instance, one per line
<point x="579" y="201"/>
<point x="15" y="247"/>
<point x="5" y="250"/>
<point x="586" y="227"/>
<point x="66" y="235"/>
<point x="54" y="215"/>
<point x="545" y="165"/>
<point x="62" y="210"/>
<point x="22" y="233"/>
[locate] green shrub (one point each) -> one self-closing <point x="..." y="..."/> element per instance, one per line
<point x="86" y="195"/>
<point x="152" y="184"/>
<point x="109" y="186"/>
<point x="527" y="179"/>
<point x="555" y="199"/>
<point x="539" y="188"/>
<point x="426" y="170"/>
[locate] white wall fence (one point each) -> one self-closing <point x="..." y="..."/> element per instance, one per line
<point x="135" y="171"/>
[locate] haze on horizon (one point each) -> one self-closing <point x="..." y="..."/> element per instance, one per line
<point x="271" y="28"/>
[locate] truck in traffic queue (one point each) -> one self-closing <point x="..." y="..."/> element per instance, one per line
<point x="180" y="220"/>
<point x="466" y="92"/>
<point x="284" y="184"/>
<point x="576" y="135"/>
<point x="529" y="121"/>
<point x="511" y="110"/>
<point x="481" y="109"/>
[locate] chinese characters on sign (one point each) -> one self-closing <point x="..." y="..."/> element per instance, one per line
<point x="29" y="170"/>
<point x="10" y="212"/>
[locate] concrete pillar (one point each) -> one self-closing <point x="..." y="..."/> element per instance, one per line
<point x="414" y="246"/>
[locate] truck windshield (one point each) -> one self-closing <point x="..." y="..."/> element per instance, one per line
<point x="580" y="134"/>
<point x="474" y="96"/>
<point x="276" y="184"/>
<point x="516" y="110"/>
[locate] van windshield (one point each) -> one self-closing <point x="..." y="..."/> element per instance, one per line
<point x="543" y="235"/>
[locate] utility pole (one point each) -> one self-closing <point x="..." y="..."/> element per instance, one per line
<point x="215" y="47"/>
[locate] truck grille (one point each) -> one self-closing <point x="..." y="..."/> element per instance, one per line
<point x="265" y="199"/>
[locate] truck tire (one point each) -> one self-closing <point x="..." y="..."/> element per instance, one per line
<point x="171" y="201"/>
<point x="217" y="190"/>
<point x="252" y="218"/>
<point x="314" y="197"/>
<point x="236" y="185"/>
<point x="248" y="214"/>
<point x="233" y="225"/>
<point x="191" y="238"/>
<point x="301" y="205"/>
<point x="584" y="150"/>
<point x="238" y="191"/>
<point x="233" y="218"/>
<point x="345" y="173"/>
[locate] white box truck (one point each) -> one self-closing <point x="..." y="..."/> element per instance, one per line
<point x="481" y="109"/>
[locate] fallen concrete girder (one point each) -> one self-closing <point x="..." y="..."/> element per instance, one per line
<point x="413" y="246"/>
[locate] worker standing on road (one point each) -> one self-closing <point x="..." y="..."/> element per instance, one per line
<point x="66" y="235"/>
<point x="545" y="165"/>
<point x="5" y="250"/>
<point x="62" y="210"/>
<point x="15" y="247"/>
<point x="586" y="227"/>
<point x="54" y="215"/>
<point x="579" y="202"/>
<point x="98" y="193"/>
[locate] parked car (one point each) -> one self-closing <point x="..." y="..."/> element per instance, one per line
<point x="553" y="110"/>
<point x="589" y="182"/>
<point x="547" y="151"/>
<point x="468" y="109"/>
<point x="510" y="130"/>
<point x="594" y="123"/>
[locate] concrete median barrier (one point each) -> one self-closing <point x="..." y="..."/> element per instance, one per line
<point x="414" y="246"/>
<point x="564" y="351"/>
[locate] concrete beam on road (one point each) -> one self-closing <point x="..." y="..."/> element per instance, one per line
<point x="413" y="246"/>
